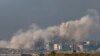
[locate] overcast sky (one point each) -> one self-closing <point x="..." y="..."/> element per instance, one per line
<point x="20" y="14"/>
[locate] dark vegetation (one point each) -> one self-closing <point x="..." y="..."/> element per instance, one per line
<point x="53" y="53"/>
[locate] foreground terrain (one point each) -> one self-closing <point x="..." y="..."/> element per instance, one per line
<point x="72" y="54"/>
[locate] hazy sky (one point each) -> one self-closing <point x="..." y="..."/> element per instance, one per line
<point x="20" y="14"/>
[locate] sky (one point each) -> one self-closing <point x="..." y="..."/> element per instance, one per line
<point x="20" y="14"/>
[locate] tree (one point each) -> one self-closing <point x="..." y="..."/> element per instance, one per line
<point x="53" y="53"/>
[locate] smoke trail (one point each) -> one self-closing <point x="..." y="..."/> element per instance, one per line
<point x="74" y="29"/>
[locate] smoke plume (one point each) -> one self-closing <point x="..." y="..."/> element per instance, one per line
<point x="74" y="29"/>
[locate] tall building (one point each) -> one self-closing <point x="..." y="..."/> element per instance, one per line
<point x="57" y="47"/>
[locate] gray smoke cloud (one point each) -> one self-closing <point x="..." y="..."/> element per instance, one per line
<point x="74" y="29"/>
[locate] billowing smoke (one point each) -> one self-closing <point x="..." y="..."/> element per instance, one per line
<point x="74" y="29"/>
